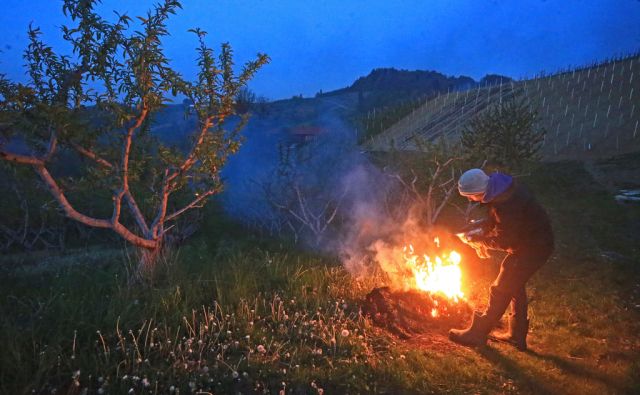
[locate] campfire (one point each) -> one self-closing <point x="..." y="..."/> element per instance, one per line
<point x="441" y="274"/>
<point x="425" y="290"/>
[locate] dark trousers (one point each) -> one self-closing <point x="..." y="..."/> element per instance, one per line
<point x="509" y="286"/>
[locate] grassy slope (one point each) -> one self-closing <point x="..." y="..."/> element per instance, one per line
<point x="588" y="113"/>
<point x="189" y="330"/>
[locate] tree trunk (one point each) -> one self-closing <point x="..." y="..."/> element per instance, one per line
<point x="145" y="269"/>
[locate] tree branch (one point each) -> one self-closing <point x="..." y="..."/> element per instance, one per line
<point x="91" y="155"/>
<point x="129" y="199"/>
<point x="193" y="204"/>
<point x="22" y="159"/>
<point x="72" y="213"/>
<point x="127" y="146"/>
<point x="162" y="209"/>
<point x="191" y="158"/>
<point x="137" y="213"/>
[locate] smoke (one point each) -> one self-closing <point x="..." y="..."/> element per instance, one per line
<point x="321" y="189"/>
<point x="381" y="222"/>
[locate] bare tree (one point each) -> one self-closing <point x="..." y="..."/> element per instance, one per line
<point x="430" y="178"/>
<point x="306" y="206"/>
<point x="60" y="108"/>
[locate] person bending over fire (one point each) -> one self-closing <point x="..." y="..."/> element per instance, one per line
<point x="518" y="225"/>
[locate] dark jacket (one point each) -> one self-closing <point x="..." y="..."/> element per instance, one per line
<point x="518" y="224"/>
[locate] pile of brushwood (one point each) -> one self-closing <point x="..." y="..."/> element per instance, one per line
<point x="405" y="313"/>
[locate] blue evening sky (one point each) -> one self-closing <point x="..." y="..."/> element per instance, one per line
<point x="327" y="44"/>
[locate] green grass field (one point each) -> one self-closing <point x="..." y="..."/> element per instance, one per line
<point x="230" y="314"/>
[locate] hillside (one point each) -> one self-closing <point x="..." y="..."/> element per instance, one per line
<point x="588" y="112"/>
<point x="384" y="87"/>
<point x="369" y="97"/>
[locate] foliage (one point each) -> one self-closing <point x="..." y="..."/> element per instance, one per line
<point x="505" y="135"/>
<point x="99" y="104"/>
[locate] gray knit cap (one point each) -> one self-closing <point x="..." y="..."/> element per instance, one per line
<point x="473" y="182"/>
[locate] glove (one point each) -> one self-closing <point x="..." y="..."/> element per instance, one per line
<point x="470" y="236"/>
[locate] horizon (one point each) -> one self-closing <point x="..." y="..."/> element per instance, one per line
<point x="326" y="47"/>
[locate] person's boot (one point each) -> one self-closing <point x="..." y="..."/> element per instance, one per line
<point x="475" y="334"/>
<point x="517" y="333"/>
<point x="481" y="324"/>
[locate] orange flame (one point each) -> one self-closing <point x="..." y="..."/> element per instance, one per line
<point x="438" y="275"/>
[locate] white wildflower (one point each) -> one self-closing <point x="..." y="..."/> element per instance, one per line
<point x="345" y="333"/>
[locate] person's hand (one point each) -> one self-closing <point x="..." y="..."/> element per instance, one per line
<point x="469" y="237"/>
<point x="472" y="239"/>
<point x="463" y="237"/>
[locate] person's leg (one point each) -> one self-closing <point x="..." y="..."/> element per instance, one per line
<point x="508" y="286"/>
<point x="514" y="281"/>
<point x="519" y="303"/>
<point x="518" y="321"/>
<point x="499" y="297"/>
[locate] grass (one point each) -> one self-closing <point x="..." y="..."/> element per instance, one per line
<point x="229" y="313"/>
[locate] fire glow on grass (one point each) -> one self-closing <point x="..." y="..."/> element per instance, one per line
<point x="436" y="275"/>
